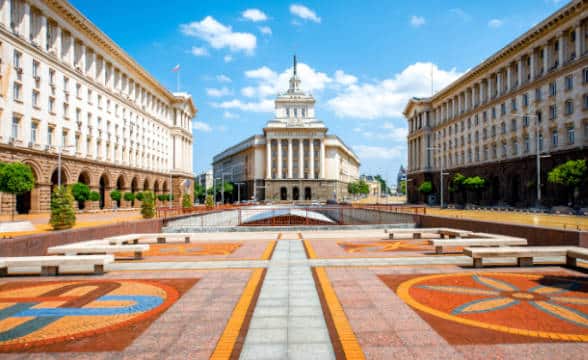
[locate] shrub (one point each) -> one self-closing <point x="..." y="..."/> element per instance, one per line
<point x="139" y="196"/>
<point x="426" y="187"/>
<point x="186" y="201"/>
<point x="115" y="195"/>
<point x="81" y="193"/>
<point x="129" y="196"/>
<point x="63" y="215"/>
<point x="571" y="175"/>
<point x="16" y="178"/>
<point x="209" y="201"/>
<point x="148" y="205"/>
<point x="94" y="196"/>
<point x="162" y="197"/>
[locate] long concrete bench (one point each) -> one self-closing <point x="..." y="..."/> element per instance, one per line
<point x="160" y="238"/>
<point x="418" y="233"/>
<point x="507" y="241"/>
<point x="574" y="254"/>
<point x="50" y="264"/>
<point x="123" y="239"/>
<point x="76" y="249"/>
<point x="524" y="255"/>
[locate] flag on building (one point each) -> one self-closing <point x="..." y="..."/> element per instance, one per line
<point x="176" y="68"/>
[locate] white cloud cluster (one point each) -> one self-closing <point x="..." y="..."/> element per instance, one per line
<point x="417" y="21"/>
<point x="387" y="98"/>
<point x="201" y="126"/>
<point x="254" y="15"/>
<point x="199" y="51"/>
<point x="265" y="30"/>
<point x="344" y="79"/>
<point x="222" y="78"/>
<point x="305" y="13"/>
<point x="377" y="152"/>
<point x="214" y="92"/>
<point x="495" y="23"/>
<point x="220" y="36"/>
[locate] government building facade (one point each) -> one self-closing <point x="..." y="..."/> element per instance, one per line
<point x="528" y="99"/>
<point x="67" y="87"/>
<point x="293" y="160"/>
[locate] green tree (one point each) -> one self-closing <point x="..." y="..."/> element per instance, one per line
<point x="139" y="196"/>
<point x="209" y="201"/>
<point x="457" y="185"/>
<point x="63" y="215"/>
<point x="186" y="201"/>
<point x="358" y="187"/>
<point x="129" y="196"/>
<point x="81" y="193"/>
<point x="401" y="187"/>
<point x="94" y="196"/>
<point x="426" y="187"/>
<point x="199" y="192"/>
<point x="116" y="195"/>
<point x="475" y="184"/>
<point x="162" y="197"/>
<point x="383" y="186"/>
<point x="148" y="205"/>
<point x="16" y="178"/>
<point x="571" y="175"/>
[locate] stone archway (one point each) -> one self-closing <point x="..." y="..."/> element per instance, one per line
<point x="156" y="187"/>
<point x="283" y="193"/>
<point x="295" y="193"/>
<point x="307" y="193"/>
<point x="83" y="178"/>
<point x="134" y="188"/>
<point x="120" y="186"/>
<point x="104" y="191"/>
<point x="146" y="184"/>
<point x="30" y="201"/>
<point x="55" y="178"/>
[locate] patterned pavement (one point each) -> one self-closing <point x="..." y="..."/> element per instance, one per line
<point x="293" y="295"/>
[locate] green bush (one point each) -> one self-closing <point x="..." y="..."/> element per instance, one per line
<point x="209" y="201"/>
<point x="186" y="201"/>
<point x="148" y="205"/>
<point x="129" y="196"/>
<point x="115" y="195"/>
<point x="16" y="178"/>
<point x="139" y="196"/>
<point x="426" y="187"/>
<point x="571" y="174"/>
<point x="94" y="196"/>
<point x="63" y="215"/>
<point x="162" y="197"/>
<point x="81" y="193"/>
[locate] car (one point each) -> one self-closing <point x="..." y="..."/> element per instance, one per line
<point x="331" y="202"/>
<point x="315" y="203"/>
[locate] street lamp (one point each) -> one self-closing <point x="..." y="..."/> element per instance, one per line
<point x="60" y="149"/>
<point x="441" y="173"/>
<point x="537" y="154"/>
<point x="239" y="191"/>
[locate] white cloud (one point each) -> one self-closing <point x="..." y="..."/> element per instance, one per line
<point x="265" y="30"/>
<point x="254" y="15"/>
<point x="230" y="115"/>
<point x="201" y="126"/>
<point x="304" y="13"/>
<point x="460" y="13"/>
<point x="228" y="58"/>
<point x="199" y="51"/>
<point x="388" y="131"/>
<point x="265" y="105"/>
<point x="495" y="23"/>
<point x="220" y="36"/>
<point x="417" y="21"/>
<point x="344" y="79"/>
<point x="222" y="78"/>
<point x="224" y="91"/>
<point x="377" y="152"/>
<point x="388" y="97"/>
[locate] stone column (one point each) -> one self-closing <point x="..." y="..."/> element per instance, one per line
<point x="6" y="11"/>
<point x="311" y="157"/>
<point x="561" y="38"/>
<point x="508" y="77"/>
<point x="301" y="158"/>
<point x="57" y="44"/>
<point x="481" y="92"/>
<point x="520" y="71"/>
<point x="532" y="65"/>
<point x="499" y="82"/>
<point x="579" y="40"/>
<point x="43" y="32"/>
<point x="279" y="159"/>
<point x="545" y="58"/>
<point x="322" y="154"/>
<point x="26" y="21"/>
<point x="268" y="158"/>
<point x="290" y="159"/>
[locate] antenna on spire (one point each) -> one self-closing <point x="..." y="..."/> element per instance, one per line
<point x="294" y="64"/>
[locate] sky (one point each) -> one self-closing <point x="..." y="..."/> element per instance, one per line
<point x="362" y="60"/>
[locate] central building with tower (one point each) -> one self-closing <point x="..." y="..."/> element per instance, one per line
<point x="295" y="159"/>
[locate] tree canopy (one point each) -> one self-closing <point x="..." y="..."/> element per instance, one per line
<point x="16" y="178"/>
<point x="570" y="174"/>
<point x="426" y="187"/>
<point x="358" y="187"/>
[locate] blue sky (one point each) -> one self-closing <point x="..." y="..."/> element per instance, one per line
<point x="362" y="60"/>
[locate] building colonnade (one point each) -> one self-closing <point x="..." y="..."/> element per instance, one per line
<point x="295" y="158"/>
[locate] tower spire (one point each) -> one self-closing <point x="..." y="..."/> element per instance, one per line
<point x="294" y="64"/>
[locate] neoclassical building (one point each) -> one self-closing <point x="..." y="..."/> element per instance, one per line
<point x="294" y="160"/>
<point x="529" y="98"/>
<point x="67" y="87"/>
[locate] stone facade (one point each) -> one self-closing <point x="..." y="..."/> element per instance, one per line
<point x="65" y="87"/>
<point x="294" y="160"/>
<point x="529" y="99"/>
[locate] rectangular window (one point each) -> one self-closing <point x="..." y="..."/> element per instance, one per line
<point x="569" y="107"/>
<point x="65" y="84"/>
<point x="503" y="128"/>
<point x="552" y="112"/>
<point x="513" y="104"/>
<point x="15" y="127"/>
<point x="586" y="101"/>
<point x="540" y="142"/>
<point x="493" y="113"/>
<point x="525" y="121"/>
<point x="34" y="126"/>
<point x="51" y="76"/>
<point x="35" y="69"/>
<point x="79" y="91"/>
<point x="16" y="91"/>
<point x="513" y="125"/>
<point x="502" y="109"/>
<point x="569" y="81"/>
<point x="554" y="138"/>
<point x="525" y="99"/>
<point x="35" y="98"/>
<point x="538" y="94"/>
<point x="527" y="145"/>
<point x="52" y="105"/>
<point x="16" y="60"/>
<point x="50" y="132"/>
<point x="552" y="88"/>
<point x="571" y="136"/>
<point x="585" y="75"/>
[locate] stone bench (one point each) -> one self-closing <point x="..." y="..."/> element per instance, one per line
<point x="524" y="255"/>
<point x="77" y="249"/>
<point x="160" y="238"/>
<point x="50" y="264"/>
<point x="506" y="241"/>
<point x="575" y="253"/>
<point x="123" y="239"/>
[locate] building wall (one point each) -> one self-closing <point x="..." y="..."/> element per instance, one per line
<point x="530" y="96"/>
<point x="64" y="84"/>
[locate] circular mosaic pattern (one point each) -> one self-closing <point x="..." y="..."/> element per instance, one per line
<point x="545" y="306"/>
<point x="46" y="313"/>
<point x="383" y="246"/>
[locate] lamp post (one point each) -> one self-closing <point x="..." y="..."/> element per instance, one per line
<point x="538" y="155"/>
<point x="441" y="173"/>
<point x="60" y="149"/>
<point x="239" y="191"/>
